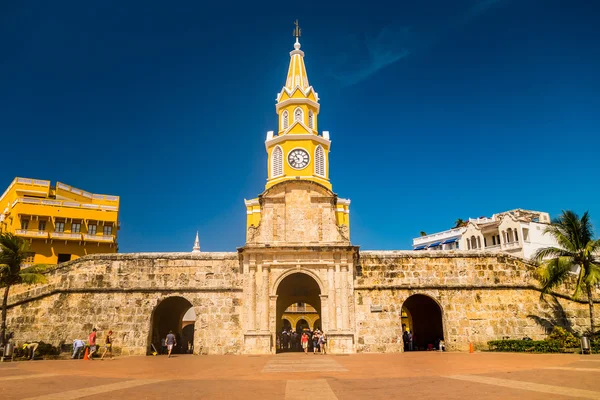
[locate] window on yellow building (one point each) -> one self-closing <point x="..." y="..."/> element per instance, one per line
<point x="311" y="117"/>
<point x="319" y="161"/>
<point x="107" y="230"/>
<point x="285" y="120"/>
<point x="92" y="229"/>
<point x="42" y="226"/>
<point x="24" y="224"/>
<point x="76" y="227"/>
<point x="29" y="259"/>
<point x="59" y="226"/>
<point x="298" y="114"/>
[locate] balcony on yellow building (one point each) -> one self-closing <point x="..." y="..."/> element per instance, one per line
<point x="30" y="233"/>
<point x="65" y="236"/>
<point x="99" y="238"/>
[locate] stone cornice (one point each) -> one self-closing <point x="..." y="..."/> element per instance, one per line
<point x="124" y="290"/>
<point x="443" y="254"/>
<point x="421" y="288"/>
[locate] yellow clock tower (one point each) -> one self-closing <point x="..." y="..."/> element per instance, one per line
<point x="296" y="152"/>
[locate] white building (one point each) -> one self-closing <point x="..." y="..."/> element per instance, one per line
<point x="518" y="232"/>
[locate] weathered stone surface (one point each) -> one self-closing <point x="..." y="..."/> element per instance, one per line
<point x="482" y="296"/>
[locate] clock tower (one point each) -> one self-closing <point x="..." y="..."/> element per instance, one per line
<point x="297" y="150"/>
<point x="298" y="162"/>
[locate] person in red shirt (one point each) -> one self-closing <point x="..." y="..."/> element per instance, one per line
<point x="92" y="340"/>
<point x="304" y="341"/>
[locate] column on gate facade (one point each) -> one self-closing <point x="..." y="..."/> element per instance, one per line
<point x="332" y="299"/>
<point x="344" y="290"/>
<point x="252" y="297"/>
<point x="264" y="320"/>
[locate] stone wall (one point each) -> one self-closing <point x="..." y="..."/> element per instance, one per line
<point x="483" y="296"/>
<point x="120" y="292"/>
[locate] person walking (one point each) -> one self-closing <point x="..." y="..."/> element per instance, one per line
<point x="78" y="346"/>
<point x="323" y="343"/>
<point x="92" y="342"/>
<point x="315" y="342"/>
<point x="171" y="341"/>
<point x="108" y="346"/>
<point x="304" y="341"/>
<point x="405" y="340"/>
<point x="410" y="341"/>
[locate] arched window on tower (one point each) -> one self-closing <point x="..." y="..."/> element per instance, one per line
<point x="277" y="162"/>
<point x="298" y="115"/>
<point x="320" y="161"/>
<point x="311" y="117"/>
<point x="285" y="120"/>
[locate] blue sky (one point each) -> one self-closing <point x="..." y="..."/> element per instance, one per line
<point x="437" y="110"/>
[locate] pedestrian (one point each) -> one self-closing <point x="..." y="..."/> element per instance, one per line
<point x="30" y="347"/>
<point x="163" y="346"/>
<point x="78" y="346"/>
<point x="405" y="340"/>
<point x="323" y="344"/>
<point x="410" y="341"/>
<point x="315" y="342"/>
<point x="171" y="341"/>
<point x="304" y="341"/>
<point x="108" y="346"/>
<point x="92" y="343"/>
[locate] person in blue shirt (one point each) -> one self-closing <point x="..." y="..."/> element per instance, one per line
<point x="171" y="341"/>
<point x="78" y="346"/>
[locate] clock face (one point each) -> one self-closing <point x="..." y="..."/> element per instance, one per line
<point x="298" y="158"/>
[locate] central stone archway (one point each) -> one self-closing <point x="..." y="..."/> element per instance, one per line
<point x="422" y="316"/>
<point x="300" y="293"/>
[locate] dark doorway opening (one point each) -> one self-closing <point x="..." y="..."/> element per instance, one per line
<point x="298" y="307"/>
<point x="166" y="317"/>
<point x="422" y="317"/>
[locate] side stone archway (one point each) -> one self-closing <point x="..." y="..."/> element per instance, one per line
<point x="168" y="316"/>
<point x="422" y="316"/>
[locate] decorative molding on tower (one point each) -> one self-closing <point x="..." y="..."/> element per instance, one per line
<point x="196" y="248"/>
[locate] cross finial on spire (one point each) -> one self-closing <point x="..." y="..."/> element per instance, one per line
<point x="297" y="31"/>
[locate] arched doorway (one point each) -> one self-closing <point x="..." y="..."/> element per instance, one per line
<point x="169" y="316"/>
<point x="422" y="316"/>
<point x="298" y="297"/>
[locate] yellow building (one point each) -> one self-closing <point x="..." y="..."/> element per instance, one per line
<point x="297" y="151"/>
<point x="61" y="222"/>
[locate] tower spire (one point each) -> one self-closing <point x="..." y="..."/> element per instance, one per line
<point x="196" y="248"/>
<point x="297" y="71"/>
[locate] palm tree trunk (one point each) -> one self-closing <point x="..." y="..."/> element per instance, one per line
<point x="4" y="307"/>
<point x="591" y="303"/>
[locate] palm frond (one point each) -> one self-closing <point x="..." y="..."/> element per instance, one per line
<point x="553" y="272"/>
<point x="592" y="277"/>
<point x="551" y="252"/>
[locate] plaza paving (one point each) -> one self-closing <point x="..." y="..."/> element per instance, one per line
<point x="424" y="375"/>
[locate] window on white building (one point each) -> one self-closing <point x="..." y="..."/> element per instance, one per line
<point x="277" y="162"/>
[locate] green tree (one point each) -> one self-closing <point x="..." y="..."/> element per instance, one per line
<point x="423" y="233"/>
<point x="576" y="247"/>
<point x="458" y="223"/>
<point x="13" y="252"/>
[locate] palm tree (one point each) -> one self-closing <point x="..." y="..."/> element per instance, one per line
<point x="423" y="233"/>
<point x="13" y="252"/>
<point x="458" y="223"/>
<point x="576" y="247"/>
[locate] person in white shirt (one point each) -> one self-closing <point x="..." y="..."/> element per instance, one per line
<point x="78" y="346"/>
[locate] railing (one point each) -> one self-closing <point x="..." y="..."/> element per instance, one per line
<point x="65" y="203"/>
<point x="511" y="245"/>
<point x="31" y="233"/>
<point x="98" y="238"/>
<point x="63" y="235"/>
<point x="493" y="247"/>
<point x="440" y="235"/>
